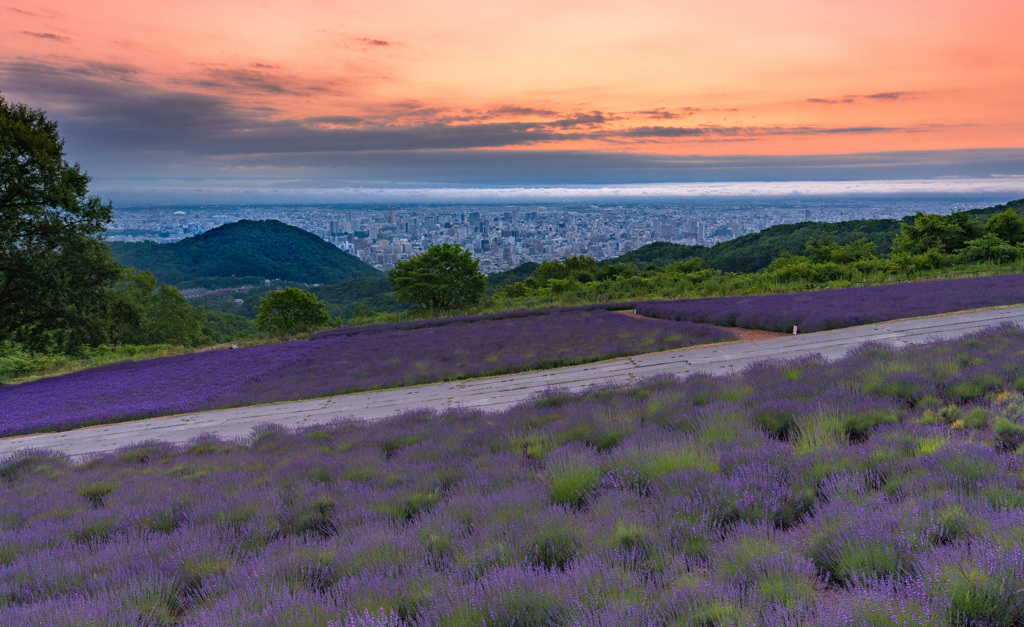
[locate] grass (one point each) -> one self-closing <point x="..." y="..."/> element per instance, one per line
<point x="19" y="366"/>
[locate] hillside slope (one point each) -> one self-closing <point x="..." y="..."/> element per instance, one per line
<point x="265" y="249"/>
<point x="755" y="251"/>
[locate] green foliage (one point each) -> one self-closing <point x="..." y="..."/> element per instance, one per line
<point x="222" y="326"/>
<point x="1007" y="226"/>
<point x="520" y="273"/>
<point x="17" y="362"/>
<point x="978" y="598"/>
<point x="95" y="492"/>
<point x="753" y="252"/>
<point x="990" y="247"/>
<point x="443" y="277"/>
<point x="359" y="298"/>
<point x="261" y="248"/>
<point x="944" y="234"/>
<point x="1008" y="434"/>
<point x="660" y="254"/>
<point x="289" y="311"/>
<point x="55" y="270"/>
<point x="830" y="251"/>
<point x="161" y="315"/>
<point x="571" y="481"/>
<point x="582" y="268"/>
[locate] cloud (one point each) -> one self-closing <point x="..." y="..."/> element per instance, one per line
<point x="513" y="110"/>
<point x="104" y="71"/>
<point x="108" y="108"/>
<point x="887" y="95"/>
<point x="250" y="80"/>
<point x="662" y="113"/>
<point x="891" y="95"/>
<point x="339" y="120"/>
<point x="130" y="135"/>
<point x="580" y="119"/>
<point x="50" y="36"/>
<point x="374" y="42"/>
<point x="113" y="113"/>
<point x="664" y="131"/>
<point x="749" y="131"/>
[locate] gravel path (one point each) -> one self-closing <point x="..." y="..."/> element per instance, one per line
<point x="497" y="393"/>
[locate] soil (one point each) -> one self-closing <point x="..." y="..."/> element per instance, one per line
<point x="745" y="335"/>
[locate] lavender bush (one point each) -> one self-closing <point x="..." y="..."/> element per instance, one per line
<point x="882" y="489"/>
<point x="835" y="309"/>
<point x="339" y="361"/>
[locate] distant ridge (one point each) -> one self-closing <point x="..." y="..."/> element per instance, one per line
<point x="266" y="249"/>
<point x="755" y="251"/>
<point x="750" y="253"/>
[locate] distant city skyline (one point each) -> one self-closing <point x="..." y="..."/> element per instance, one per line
<point x="503" y="236"/>
<point x="332" y="101"/>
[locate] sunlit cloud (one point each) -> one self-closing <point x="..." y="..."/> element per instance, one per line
<point x="49" y="36"/>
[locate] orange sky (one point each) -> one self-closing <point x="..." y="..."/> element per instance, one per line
<point x="686" y="77"/>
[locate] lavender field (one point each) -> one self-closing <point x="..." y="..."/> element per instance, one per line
<point x="836" y="309"/>
<point x="882" y="489"/>
<point x="339" y="361"/>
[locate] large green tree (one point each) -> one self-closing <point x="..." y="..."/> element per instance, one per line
<point x="443" y="277"/>
<point x="289" y="311"/>
<point x="55" y="269"/>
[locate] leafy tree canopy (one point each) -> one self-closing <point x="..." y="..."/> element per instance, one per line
<point x="157" y="314"/>
<point x="943" y="234"/>
<point x="581" y="267"/>
<point x="1007" y="226"/>
<point x="289" y="311"/>
<point x="443" y="277"/>
<point x="55" y="269"/>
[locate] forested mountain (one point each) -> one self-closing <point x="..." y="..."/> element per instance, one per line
<point x="263" y="249"/>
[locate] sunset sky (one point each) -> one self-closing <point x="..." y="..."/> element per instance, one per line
<point x="186" y="97"/>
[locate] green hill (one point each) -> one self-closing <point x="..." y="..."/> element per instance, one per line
<point x="753" y="252"/>
<point x="659" y="253"/>
<point x="262" y="249"/>
<point x="984" y="214"/>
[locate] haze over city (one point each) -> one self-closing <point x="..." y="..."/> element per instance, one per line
<point x="405" y="101"/>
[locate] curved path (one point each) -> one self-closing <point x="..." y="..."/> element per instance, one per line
<point x="496" y="393"/>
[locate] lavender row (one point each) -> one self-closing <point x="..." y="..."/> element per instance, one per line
<point x="836" y="309"/>
<point x="345" y="361"/>
<point x="881" y="489"/>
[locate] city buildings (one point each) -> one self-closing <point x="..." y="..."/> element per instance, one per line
<point x="505" y="236"/>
